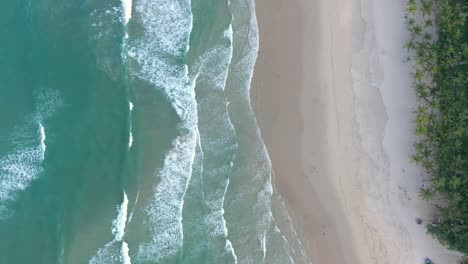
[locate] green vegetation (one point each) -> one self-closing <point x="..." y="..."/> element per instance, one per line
<point x="438" y="49"/>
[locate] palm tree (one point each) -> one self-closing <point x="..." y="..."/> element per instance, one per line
<point x="426" y="7"/>
<point x="440" y="79"/>
<point x="411" y="8"/>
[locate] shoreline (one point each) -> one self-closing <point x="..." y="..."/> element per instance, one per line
<point x="334" y="103"/>
<point x="281" y="71"/>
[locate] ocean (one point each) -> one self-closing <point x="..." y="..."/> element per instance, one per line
<point x="127" y="136"/>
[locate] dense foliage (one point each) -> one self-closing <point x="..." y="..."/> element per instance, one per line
<point x="438" y="48"/>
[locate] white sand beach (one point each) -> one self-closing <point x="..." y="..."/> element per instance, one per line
<point x="334" y="102"/>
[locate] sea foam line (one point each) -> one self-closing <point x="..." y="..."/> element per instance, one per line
<point x="165" y="211"/>
<point x="133" y="208"/>
<point x="108" y="254"/>
<point x="130" y="137"/>
<point x="43" y="138"/>
<point x="265" y="196"/>
<point x="229" y="246"/>
<point x="118" y="225"/>
<point x="20" y="167"/>
<point x="230" y="35"/>
<point x="127" y="7"/>
<point x="167" y="26"/>
<point x="124" y="253"/>
<point x="210" y="74"/>
<point x="244" y="68"/>
<point x="216" y="78"/>
<point x="246" y="32"/>
<point x="24" y="163"/>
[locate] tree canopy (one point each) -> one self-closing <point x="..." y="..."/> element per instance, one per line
<point x="438" y="49"/>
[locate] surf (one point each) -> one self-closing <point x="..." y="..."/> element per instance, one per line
<point x="111" y="252"/>
<point x="124" y="254"/>
<point x="252" y="174"/>
<point x="23" y="164"/>
<point x="118" y="225"/>
<point x="127" y="10"/>
<point x="217" y="145"/>
<point x="165" y="39"/>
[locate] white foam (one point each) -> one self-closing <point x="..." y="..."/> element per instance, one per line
<point x="211" y="72"/>
<point x="257" y="170"/>
<point x="165" y="210"/>
<point x="286" y="244"/>
<point x="114" y="252"/>
<point x="130" y="140"/>
<point x="43" y="138"/>
<point x="130" y="137"/>
<point x="249" y="51"/>
<point x="118" y="225"/>
<point x="111" y="253"/>
<point x="21" y="166"/>
<point x="124" y="253"/>
<point x="127" y="7"/>
<point x="133" y="208"/>
<point x="130" y="105"/>
<point x="166" y="32"/>
<point x="263" y="243"/>
<point x="230" y="248"/>
<point x="107" y="255"/>
<point x="217" y="78"/>
<point x="263" y="207"/>
<point x="130" y="217"/>
<point x="167" y="26"/>
<point x="17" y="169"/>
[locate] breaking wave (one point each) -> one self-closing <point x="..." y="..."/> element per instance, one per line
<point x="167" y="26"/>
<point x="116" y="251"/>
<point x="23" y="164"/>
<point x="217" y="146"/>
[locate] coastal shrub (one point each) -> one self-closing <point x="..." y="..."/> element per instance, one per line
<point x="438" y="48"/>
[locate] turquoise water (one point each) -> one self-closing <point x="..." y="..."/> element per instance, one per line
<point x="127" y="136"/>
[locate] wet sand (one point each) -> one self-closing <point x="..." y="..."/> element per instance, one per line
<point x="334" y="102"/>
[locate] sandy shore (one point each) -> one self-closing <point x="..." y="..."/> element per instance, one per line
<point x="334" y="102"/>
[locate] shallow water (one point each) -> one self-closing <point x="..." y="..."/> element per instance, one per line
<point x="127" y="136"/>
